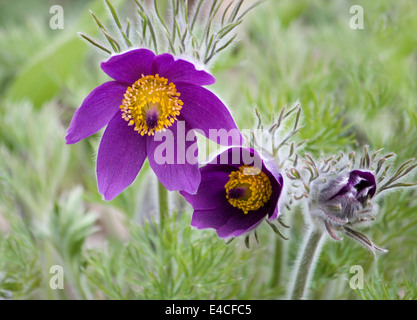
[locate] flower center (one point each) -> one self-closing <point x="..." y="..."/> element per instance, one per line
<point x="248" y="189"/>
<point x="151" y="104"/>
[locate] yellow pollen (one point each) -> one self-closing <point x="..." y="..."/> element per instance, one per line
<point x="257" y="186"/>
<point x="151" y="97"/>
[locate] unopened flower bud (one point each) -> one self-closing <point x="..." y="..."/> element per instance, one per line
<point x="340" y="201"/>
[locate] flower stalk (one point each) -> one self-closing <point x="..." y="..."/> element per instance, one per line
<point x="276" y="269"/>
<point x="163" y="199"/>
<point x="305" y="264"/>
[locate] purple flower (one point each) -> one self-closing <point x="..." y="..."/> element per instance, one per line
<point x="149" y="95"/>
<point x="238" y="190"/>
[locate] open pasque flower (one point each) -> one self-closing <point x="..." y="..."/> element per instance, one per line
<point x="238" y="191"/>
<point x="149" y="95"/>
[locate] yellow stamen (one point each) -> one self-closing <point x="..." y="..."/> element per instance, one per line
<point x="248" y="189"/>
<point x="151" y="104"/>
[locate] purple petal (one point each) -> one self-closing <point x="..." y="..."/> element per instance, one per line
<point x="121" y="154"/>
<point x="214" y="218"/>
<point x="271" y="171"/>
<point x="180" y="71"/>
<point x="96" y="111"/>
<point x="274" y="214"/>
<point x="173" y="159"/>
<point x="276" y="194"/>
<point x="364" y="181"/>
<point x="211" y="193"/>
<point x="241" y="223"/>
<point x="204" y="111"/>
<point x="237" y="157"/>
<point x="129" y="66"/>
<point x="228" y="220"/>
<point x="277" y="183"/>
<point x="357" y="184"/>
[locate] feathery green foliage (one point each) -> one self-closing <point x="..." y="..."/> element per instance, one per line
<point x="355" y="87"/>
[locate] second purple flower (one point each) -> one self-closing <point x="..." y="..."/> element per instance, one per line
<point x="238" y="190"/>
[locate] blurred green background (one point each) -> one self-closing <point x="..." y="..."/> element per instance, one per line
<point x="356" y="87"/>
